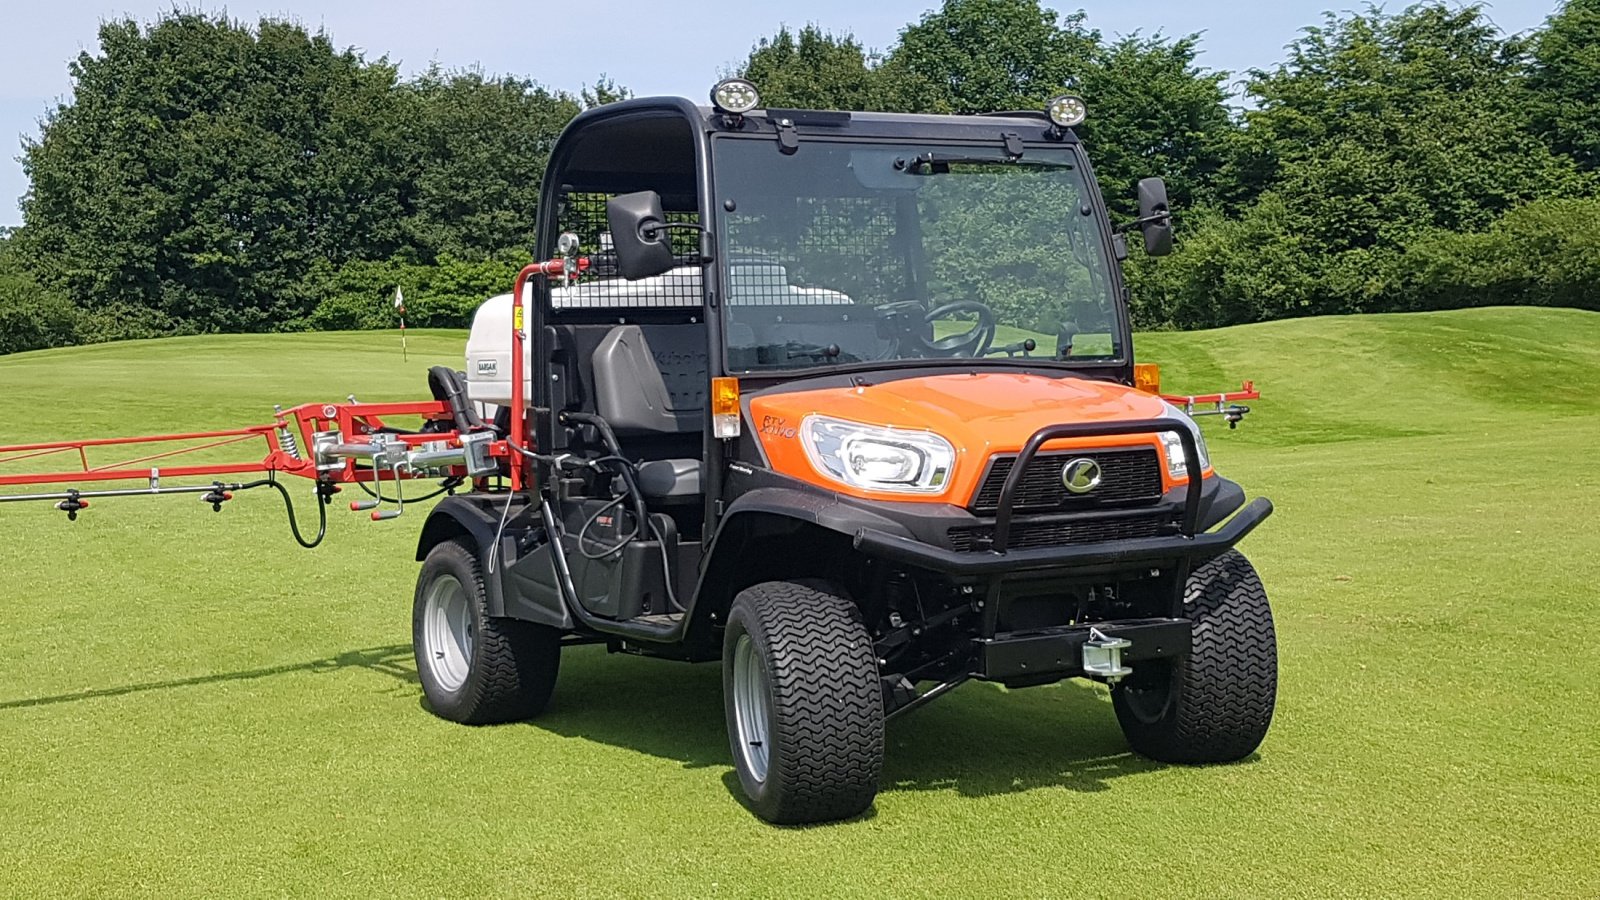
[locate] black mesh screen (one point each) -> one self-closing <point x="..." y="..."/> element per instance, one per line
<point x="1126" y="476"/>
<point x="815" y="251"/>
<point x="1028" y="535"/>
<point x="584" y="214"/>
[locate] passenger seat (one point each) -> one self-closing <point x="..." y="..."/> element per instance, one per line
<point x="650" y="384"/>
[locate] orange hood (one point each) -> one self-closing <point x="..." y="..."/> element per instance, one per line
<point x="980" y="414"/>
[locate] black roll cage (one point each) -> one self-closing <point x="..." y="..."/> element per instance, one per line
<point x="787" y="130"/>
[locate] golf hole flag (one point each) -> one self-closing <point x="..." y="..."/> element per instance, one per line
<point x="400" y="307"/>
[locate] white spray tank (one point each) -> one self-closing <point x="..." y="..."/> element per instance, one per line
<point x="489" y="353"/>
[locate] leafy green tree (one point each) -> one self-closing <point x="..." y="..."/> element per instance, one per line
<point x="201" y="165"/>
<point x="481" y="145"/>
<point x="1563" y="81"/>
<point x="1154" y="111"/>
<point x="1536" y="255"/>
<point x="32" y="317"/>
<point x="1378" y="126"/>
<point x="813" y="70"/>
<point x="976" y="56"/>
<point x="444" y="294"/>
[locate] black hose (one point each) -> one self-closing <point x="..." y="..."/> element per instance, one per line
<point x="629" y="472"/>
<point x="666" y="569"/>
<point x="288" y="504"/>
<point x="445" y="385"/>
<point x="449" y="484"/>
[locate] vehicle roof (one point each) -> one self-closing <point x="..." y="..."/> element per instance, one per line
<point x="1027" y="125"/>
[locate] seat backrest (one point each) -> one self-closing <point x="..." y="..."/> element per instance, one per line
<point x="652" y="379"/>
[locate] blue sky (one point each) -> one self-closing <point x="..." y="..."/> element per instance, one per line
<point x="649" y="47"/>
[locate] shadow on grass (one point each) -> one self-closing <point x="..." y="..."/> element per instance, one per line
<point x="394" y="661"/>
<point x="979" y="741"/>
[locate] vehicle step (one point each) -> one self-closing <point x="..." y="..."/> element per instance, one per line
<point x="662" y="620"/>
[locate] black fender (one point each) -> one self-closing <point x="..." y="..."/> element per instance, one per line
<point x="514" y="594"/>
<point x="825" y="509"/>
<point x="764" y="508"/>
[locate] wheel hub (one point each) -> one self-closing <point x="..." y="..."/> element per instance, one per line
<point x="447" y="633"/>
<point x="752" y="706"/>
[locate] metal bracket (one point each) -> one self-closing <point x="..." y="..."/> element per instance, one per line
<point x="1013" y="144"/>
<point x="788" y="138"/>
<point x="1102" y="656"/>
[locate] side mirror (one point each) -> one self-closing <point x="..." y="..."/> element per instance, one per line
<point x="637" y="233"/>
<point x="1155" y="217"/>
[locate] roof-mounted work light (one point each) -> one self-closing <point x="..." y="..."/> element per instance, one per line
<point x="1067" y="110"/>
<point x="734" y="97"/>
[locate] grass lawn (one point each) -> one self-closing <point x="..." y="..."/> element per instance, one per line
<point x="190" y="705"/>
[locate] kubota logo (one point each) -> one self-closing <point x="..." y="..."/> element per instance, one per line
<point x="1081" y="475"/>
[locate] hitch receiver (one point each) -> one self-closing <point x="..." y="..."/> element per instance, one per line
<point x="1102" y="656"/>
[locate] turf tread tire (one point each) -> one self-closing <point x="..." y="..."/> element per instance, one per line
<point x="513" y="666"/>
<point x="826" y="729"/>
<point x="1223" y="693"/>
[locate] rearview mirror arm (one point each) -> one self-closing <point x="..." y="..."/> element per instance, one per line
<point x="648" y="230"/>
<point x="1139" y="223"/>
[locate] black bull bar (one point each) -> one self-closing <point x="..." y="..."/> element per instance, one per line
<point x="997" y="559"/>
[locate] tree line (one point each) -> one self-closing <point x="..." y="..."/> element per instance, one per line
<point x="209" y="176"/>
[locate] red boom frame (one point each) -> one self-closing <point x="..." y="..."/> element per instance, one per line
<point x="301" y="422"/>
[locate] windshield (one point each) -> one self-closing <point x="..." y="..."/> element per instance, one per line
<point x="844" y="253"/>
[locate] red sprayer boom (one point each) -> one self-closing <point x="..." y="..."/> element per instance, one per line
<point x="329" y="444"/>
<point x="349" y="443"/>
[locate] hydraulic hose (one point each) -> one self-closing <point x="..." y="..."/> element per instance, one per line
<point x="288" y="505"/>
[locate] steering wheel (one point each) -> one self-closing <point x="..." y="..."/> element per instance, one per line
<point x="973" y="342"/>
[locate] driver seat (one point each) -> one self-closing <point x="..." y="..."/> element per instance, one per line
<point x="650" y="384"/>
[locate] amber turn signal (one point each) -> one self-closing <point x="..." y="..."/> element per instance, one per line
<point x="1147" y="377"/>
<point x="725" y="407"/>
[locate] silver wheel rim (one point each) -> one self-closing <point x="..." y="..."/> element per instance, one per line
<point x="752" y="707"/>
<point x="447" y="632"/>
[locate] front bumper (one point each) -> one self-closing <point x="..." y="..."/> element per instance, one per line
<point x="1114" y="553"/>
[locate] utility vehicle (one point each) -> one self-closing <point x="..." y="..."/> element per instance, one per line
<point x="846" y="401"/>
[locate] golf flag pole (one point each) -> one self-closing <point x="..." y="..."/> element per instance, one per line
<point x="400" y="307"/>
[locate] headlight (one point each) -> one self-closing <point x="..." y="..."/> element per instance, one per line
<point x="1172" y="445"/>
<point x="880" y="459"/>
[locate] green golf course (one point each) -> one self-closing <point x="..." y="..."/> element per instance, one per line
<point x="193" y="706"/>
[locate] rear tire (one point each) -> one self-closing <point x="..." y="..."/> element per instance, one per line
<point x="804" y="703"/>
<point x="475" y="668"/>
<point x="1215" y="704"/>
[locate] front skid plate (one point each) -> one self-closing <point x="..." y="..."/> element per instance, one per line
<point x="1058" y="651"/>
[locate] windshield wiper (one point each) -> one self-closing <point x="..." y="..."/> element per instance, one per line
<point x="791" y="350"/>
<point x="931" y="163"/>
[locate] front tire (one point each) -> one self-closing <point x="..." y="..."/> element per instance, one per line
<point x="475" y="668"/>
<point x="804" y="703"/>
<point x="1215" y="704"/>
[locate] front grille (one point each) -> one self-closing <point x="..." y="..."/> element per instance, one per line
<point x="1126" y="476"/>
<point x="1056" y="532"/>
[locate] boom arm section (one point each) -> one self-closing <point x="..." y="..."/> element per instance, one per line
<point x="350" y="443"/>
